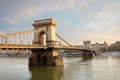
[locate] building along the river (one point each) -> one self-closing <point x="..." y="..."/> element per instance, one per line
<point x="98" y="48"/>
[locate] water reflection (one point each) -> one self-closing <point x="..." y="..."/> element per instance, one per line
<point x="46" y="73"/>
<point x="87" y="58"/>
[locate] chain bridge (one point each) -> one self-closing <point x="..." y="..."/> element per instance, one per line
<point x="43" y="41"/>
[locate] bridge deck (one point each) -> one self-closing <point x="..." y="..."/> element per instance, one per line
<point x="18" y="46"/>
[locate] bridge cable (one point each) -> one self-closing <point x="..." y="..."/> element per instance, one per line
<point x="63" y="39"/>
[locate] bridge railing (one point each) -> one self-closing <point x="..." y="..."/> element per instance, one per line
<point x="17" y="46"/>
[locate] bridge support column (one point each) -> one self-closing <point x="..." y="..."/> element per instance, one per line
<point x="47" y="57"/>
<point x="88" y="55"/>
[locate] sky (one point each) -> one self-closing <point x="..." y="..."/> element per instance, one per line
<point x="77" y="20"/>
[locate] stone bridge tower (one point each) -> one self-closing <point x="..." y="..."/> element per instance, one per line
<point x="48" y="56"/>
<point x="46" y="28"/>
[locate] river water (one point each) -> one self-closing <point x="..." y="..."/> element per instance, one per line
<point x="104" y="67"/>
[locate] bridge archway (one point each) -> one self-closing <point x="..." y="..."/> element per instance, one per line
<point x="42" y="37"/>
<point x="46" y="28"/>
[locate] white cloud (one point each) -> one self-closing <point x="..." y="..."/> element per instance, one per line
<point x="28" y="9"/>
<point x="10" y="21"/>
<point x="100" y="24"/>
<point x="101" y="17"/>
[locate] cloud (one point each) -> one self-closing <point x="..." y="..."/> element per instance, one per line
<point x="104" y="20"/>
<point x="100" y="22"/>
<point x="10" y="21"/>
<point x="95" y="20"/>
<point x="30" y="8"/>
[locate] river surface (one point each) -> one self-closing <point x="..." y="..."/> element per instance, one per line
<point x="104" y="67"/>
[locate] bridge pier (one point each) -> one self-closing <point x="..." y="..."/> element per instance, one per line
<point x="87" y="55"/>
<point x="45" y="57"/>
